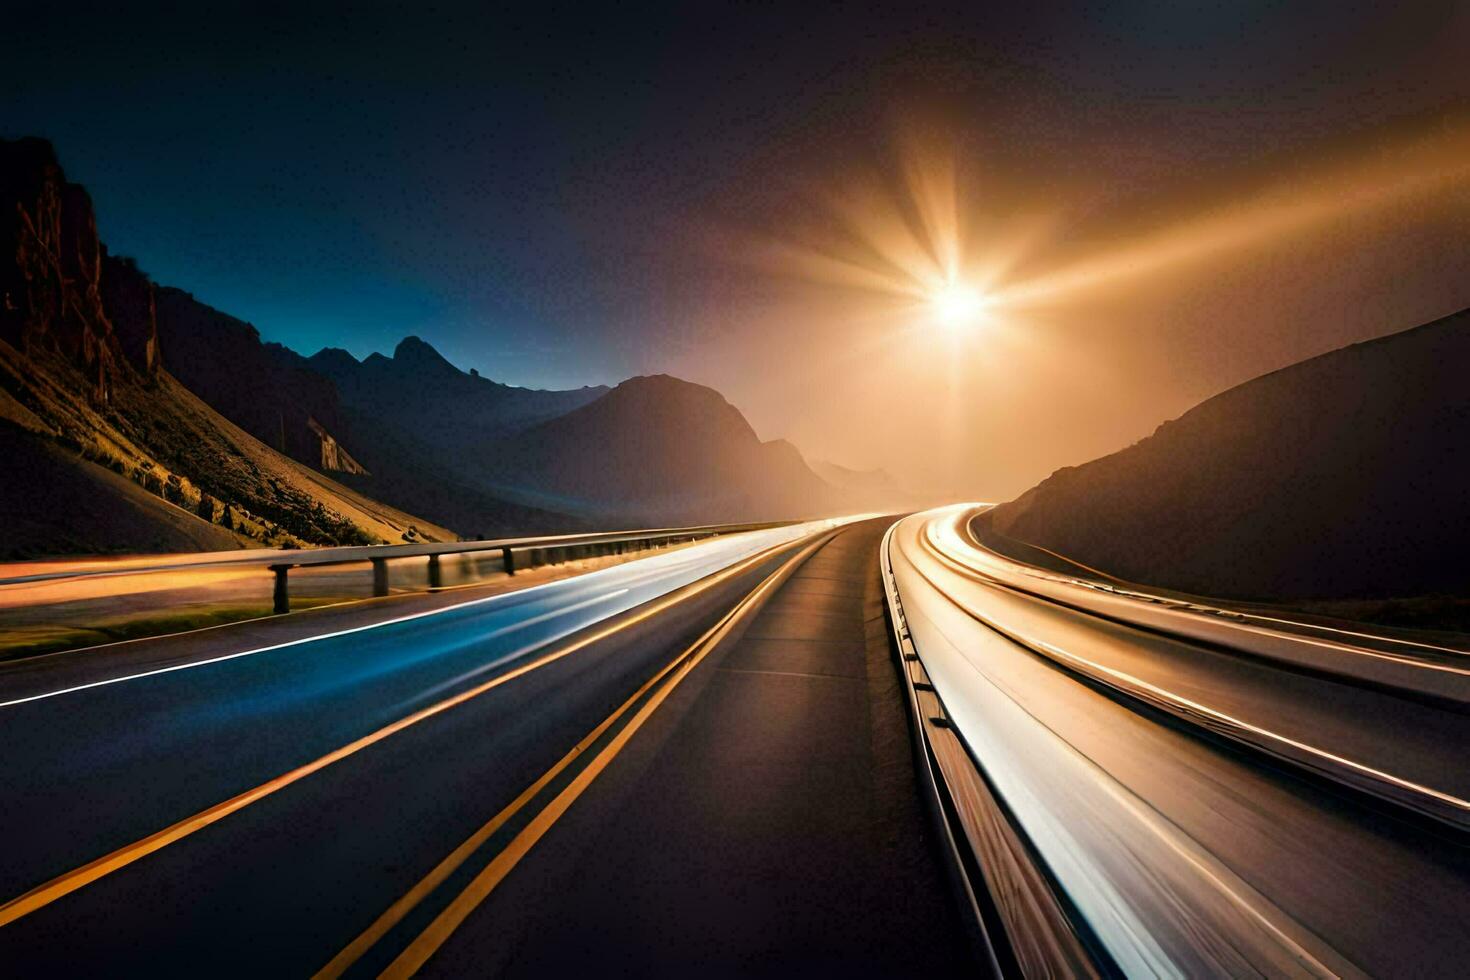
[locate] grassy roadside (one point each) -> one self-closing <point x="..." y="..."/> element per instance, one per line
<point x="28" y="641"/>
<point x="21" y="641"/>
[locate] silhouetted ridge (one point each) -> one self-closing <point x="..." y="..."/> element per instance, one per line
<point x="424" y="428"/>
<point x="1342" y="476"/>
<point x="662" y="449"/>
<point x="414" y="354"/>
<point x="193" y="407"/>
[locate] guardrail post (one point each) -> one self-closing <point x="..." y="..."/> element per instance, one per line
<point x="436" y="574"/>
<point x="380" y="577"/>
<point x="508" y="559"/>
<point x="281" y="599"/>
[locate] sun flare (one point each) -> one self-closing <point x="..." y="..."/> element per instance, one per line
<point x="957" y="305"/>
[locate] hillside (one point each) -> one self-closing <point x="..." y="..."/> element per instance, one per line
<point x="1343" y="476"/>
<point x="59" y="503"/>
<point x="419" y="394"/>
<point x="660" y="449"/>
<point x="422" y="428"/>
<point x="83" y="380"/>
<point x="268" y="390"/>
<point x="106" y="375"/>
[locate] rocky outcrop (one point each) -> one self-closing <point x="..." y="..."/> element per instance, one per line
<point x="50" y="280"/>
<point x="129" y="298"/>
<point x="60" y="290"/>
<point x="333" y="457"/>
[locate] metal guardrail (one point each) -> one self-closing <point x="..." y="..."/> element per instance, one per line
<point x="1018" y="925"/>
<point x="516" y="554"/>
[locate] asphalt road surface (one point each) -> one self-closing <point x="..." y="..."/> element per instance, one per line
<point x="1245" y="804"/>
<point x="693" y="762"/>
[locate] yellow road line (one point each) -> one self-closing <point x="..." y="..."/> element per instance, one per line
<point x="65" y="884"/>
<point x="437" y="932"/>
<point x="395" y="912"/>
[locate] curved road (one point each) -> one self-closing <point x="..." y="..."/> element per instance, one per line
<point x="694" y="761"/>
<point x="702" y="763"/>
<point x="1204" y="797"/>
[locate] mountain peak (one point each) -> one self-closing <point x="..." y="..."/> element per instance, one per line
<point x="334" y="362"/>
<point x="419" y="356"/>
<point x="666" y="386"/>
<point x="416" y="349"/>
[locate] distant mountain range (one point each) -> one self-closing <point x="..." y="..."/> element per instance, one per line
<point x="1343" y="476"/>
<point x="134" y="417"/>
<point x="658" y="445"/>
<point x="870" y="489"/>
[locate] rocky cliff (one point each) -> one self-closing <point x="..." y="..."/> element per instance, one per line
<point x="52" y="292"/>
<point x="84" y="377"/>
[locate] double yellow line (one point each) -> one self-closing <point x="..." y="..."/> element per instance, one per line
<point x="63" y="885"/>
<point x="640" y="706"/>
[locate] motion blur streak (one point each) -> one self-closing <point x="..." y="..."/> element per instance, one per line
<point x="470" y="633"/>
<point x="1194" y="918"/>
<point x="1182" y="858"/>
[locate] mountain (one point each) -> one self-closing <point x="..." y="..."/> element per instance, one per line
<point x="424" y="430"/>
<point x="1343" y="476"/>
<point x="268" y="390"/>
<point x="866" y="489"/>
<point x="658" y="449"/>
<point x="136" y="417"/>
<point x="421" y="395"/>
<point x="395" y="429"/>
<point x="87" y="401"/>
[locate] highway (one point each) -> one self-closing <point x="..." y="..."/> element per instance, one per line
<point x="693" y="761"/>
<point x="1191" y="792"/>
<point x="854" y="746"/>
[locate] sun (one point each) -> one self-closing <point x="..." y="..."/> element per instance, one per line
<point x="957" y="305"/>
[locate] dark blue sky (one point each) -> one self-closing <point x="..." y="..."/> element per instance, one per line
<point x="511" y="186"/>
<point x="535" y="192"/>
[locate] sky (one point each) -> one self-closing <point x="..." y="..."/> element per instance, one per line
<point x="1155" y="200"/>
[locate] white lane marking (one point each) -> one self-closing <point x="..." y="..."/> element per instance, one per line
<point x="275" y="646"/>
<point x="726" y="561"/>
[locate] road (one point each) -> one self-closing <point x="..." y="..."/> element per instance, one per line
<point x="695" y="761"/>
<point x="1203" y="794"/>
<point x="702" y="762"/>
